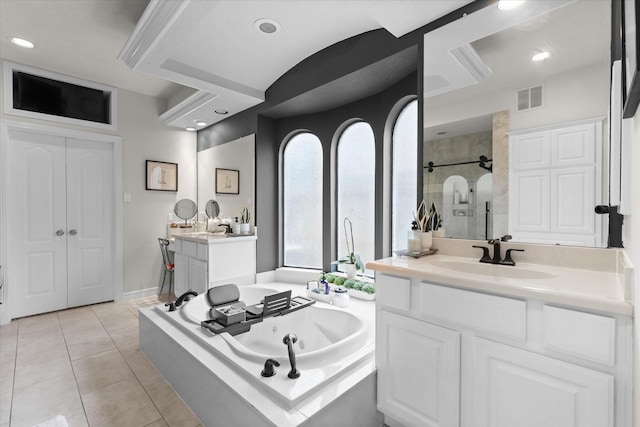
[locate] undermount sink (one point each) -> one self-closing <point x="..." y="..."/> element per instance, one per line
<point x="495" y="270"/>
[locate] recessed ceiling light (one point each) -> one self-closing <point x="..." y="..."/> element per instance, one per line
<point x="541" y="56"/>
<point x="267" y="25"/>
<point x="190" y="129"/>
<point x="509" y="4"/>
<point x="221" y="112"/>
<point x="21" y="42"/>
<point x="200" y="123"/>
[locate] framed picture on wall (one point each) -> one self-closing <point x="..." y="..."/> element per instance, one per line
<point x="227" y="181"/>
<point x="162" y="176"/>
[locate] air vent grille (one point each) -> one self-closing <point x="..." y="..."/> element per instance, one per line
<point x="530" y="98"/>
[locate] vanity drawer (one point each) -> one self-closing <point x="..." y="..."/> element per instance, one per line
<point x="393" y="292"/>
<point x="190" y="249"/>
<point x="585" y="335"/>
<point x="488" y="313"/>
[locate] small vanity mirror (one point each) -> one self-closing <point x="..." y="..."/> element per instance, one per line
<point x="185" y="209"/>
<point x="482" y="88"/>
<point x="212" y="209"/>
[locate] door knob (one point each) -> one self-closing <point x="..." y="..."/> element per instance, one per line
<point x="59" y="233"/>
<point x="73" y="232"/>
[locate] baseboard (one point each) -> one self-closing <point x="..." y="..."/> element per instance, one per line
<point x="139" y="294"/>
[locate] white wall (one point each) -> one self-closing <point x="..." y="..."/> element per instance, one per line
<point x="144" y="137"/>
<point x="632" y="245"/>
<point x="579" y="94"/>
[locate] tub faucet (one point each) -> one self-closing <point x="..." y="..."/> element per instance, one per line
<point x="289" y="340"/>
<point x="186" y="297"/>
<point x="269" y="369"/>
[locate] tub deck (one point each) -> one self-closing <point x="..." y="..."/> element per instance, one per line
<point x="203" y="369"/>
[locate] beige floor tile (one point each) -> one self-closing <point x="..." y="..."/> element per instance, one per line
<point x="173" y="409"/>
<point x="35" y="352"/>
<point x="107" y="309"/>
<point x="31" y="373"/>
<point x="79" y="420"/>
<point x="41" y="324"/>
<point x="6" y="394"/>
<point x="159" y="423"/>
<point x="7" y="365"/>
<point x="143" y="368"/>
<point x="122" y="404"/>
<point x="87" y="344"/>
<point x="9" y="331"/>
<point x="122" y="320"/>
<point x="44" y="400"/>
<point x="81" y="324"/>
<point x="100" y="371"/>
<point x="126" y="339"/>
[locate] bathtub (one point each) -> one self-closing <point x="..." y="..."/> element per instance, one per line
<point x="334" y="353"/>
<point x="324" y="334"/>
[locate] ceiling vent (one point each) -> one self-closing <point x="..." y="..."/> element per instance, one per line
<point x="530" y="98"/>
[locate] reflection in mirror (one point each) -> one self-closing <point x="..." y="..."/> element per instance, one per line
<point x="481" y="88"/>
<point x="237" y="155"/>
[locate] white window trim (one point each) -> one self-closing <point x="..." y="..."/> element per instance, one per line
<point x="10" y="67"/>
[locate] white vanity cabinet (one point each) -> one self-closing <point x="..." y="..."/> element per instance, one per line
<point x="202" y="261"/>
<point x="449" y="357"/>
<point x="190" y="266"/>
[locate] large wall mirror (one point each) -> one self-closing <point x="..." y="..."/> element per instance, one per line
<point x="481" y="89"/>
<point x="237" y="156"/>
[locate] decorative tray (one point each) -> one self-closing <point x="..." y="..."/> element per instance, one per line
<point x="416" y="254"/>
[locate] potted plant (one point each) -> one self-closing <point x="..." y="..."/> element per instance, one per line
<point x="352" y="261"/>
<point x="245" y="219"/>
<point x="428" y="221"/>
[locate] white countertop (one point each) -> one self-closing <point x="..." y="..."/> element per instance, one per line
<point x="589" y="289"/>
<point x="207" y="237"/>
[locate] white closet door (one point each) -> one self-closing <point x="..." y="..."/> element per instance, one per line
<point x="36" y="213"/>
<point x="90" y="204"/>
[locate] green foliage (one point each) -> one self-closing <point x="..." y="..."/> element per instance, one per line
<point x="330" y="278"/>
<point x="368" y="288"/>
<point x="339" y="281"/>
<point x="246" y="216"/>
<point x="349" y="283"/>
<point x="358" y="285"/>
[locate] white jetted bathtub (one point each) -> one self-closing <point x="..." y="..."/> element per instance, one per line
<point x="334" y="353"/>
<point x="324" y="334"/>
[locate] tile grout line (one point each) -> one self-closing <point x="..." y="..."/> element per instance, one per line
<point x="75" y="378"/>
<point x="131" y="370"/>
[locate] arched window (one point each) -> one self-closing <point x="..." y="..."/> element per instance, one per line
<point x="355" y="173"/>
<point x="404" y="176"/>
<point x="302" y="201"/>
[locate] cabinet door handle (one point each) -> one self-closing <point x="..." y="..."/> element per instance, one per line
<point x="60" y="233"/>
<point x="73" y="232"/>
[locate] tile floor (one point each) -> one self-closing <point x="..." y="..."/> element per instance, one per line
<point x="85" y="364"/>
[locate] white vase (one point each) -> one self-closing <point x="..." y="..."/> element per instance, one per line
<point x="439" y="232"/>
<point x="351" y="271"/>
<point x="244" y="228"/>
<point x="427" y="240"/>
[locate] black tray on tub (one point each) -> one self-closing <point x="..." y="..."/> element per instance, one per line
<point x="278" y="304"/>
